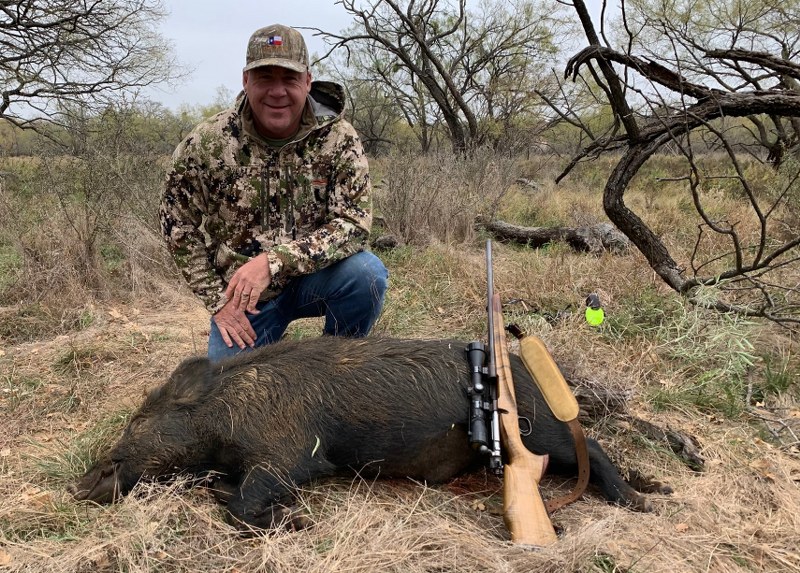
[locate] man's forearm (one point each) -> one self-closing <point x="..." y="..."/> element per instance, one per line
<point x="180" y="222"/>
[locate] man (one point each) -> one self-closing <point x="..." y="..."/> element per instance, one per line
<point x="267" y="206"/>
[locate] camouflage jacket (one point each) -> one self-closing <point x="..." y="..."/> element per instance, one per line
<point x="230" y="196"/>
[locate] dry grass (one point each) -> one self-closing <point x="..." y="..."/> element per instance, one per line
<point x="424" y="199"/>
<point x="741" y="513"/>
<point x="65" y="397"/>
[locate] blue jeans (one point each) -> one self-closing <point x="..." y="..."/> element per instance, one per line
<point x="348" y="293"/>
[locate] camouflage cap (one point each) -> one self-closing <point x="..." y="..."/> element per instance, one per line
<point x="277" y="45"/>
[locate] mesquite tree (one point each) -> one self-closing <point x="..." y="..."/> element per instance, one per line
<point x="710" y="84"/>
<point x="472" y="70"/>
<point x="56" y="53"/>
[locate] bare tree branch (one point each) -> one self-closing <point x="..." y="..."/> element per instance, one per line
<point x="58" y="52"/>
<point x="468" y="68"/>
<point x="688" y="92"/>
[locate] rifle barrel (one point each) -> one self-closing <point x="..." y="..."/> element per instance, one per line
<point x="492" y="366"/>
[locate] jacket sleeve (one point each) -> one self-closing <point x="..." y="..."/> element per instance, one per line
<point x="183" y="213"/>
<point x="349" y="206"/>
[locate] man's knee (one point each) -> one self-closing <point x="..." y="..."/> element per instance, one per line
<point x="217" y="349"/>
<point x="368" y="273"/>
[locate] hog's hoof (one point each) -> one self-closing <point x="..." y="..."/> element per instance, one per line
<point x="640" y="503"/>
<point x="628" y="497"/>
<point x="648" y="484"/>
<point x="295" y="519"/>
<point x="269" y="520"/>
<point x="222" y="490"/>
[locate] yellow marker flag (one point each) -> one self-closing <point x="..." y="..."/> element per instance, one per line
<point x="594" y="312"/>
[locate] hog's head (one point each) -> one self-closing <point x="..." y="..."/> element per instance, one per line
<point x="163" y="438"/>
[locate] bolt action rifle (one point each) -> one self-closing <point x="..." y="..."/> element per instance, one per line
<point x="523" y="509"/>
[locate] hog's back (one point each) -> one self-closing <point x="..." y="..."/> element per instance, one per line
<point x="375" y="405"/>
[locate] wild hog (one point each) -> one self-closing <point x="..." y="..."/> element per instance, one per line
<point x="300" y="410"/>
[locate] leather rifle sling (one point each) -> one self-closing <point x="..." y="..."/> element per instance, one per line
<point x="582" y="455"/>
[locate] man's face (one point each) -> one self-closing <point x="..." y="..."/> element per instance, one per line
<point x="277" y="96"/>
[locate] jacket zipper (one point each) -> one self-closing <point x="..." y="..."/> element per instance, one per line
<point x="287" y="174"/>
<point x="264" y="199"/>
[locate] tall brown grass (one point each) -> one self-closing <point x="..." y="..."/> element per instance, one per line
<point x="66" y="392"/>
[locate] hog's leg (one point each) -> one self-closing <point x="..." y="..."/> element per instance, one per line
<point x="552" y="437"/>
<point x="263" y="500"/>
<point x="602" y="473"/>
<point x="223" y="489"/>
<point x="605" y="475"/>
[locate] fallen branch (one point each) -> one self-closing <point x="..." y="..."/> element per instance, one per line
<point x="594" y="239"/>
<point x="686" y="447"/>
<point x="597" y="401"/>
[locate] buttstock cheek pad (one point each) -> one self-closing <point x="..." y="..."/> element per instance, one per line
<point x="548" y="378"/>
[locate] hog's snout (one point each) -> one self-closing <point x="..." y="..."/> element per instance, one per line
<point x="100" y="484"/>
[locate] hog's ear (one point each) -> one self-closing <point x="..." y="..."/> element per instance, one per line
<point x="191" y="381"/>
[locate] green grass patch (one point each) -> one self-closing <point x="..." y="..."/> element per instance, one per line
<point x="18" y="390"/>
<point x="641" y="314"/>
<point x="605" y="563"/>
<point x="36" y="321"/>
<point x="520" y="210"/>
<point x="113" y="258"/>
<point x="714" y="355"/>
<point x="58" y="462"/>
<point x="61" y="522"/>
<point x="706" y="357"/>
<point x="430" y="293"/>
<point x="10" y="264"/>
<point x="305" y="328"/>
<point x="779" y="377"/>
<point x="709" y="393"/>
<point x="79" y="360"/>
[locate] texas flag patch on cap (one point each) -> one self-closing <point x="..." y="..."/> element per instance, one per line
<point x="275" y="41"/>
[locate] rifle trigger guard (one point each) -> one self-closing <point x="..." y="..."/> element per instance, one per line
<point x="528" y="426"/>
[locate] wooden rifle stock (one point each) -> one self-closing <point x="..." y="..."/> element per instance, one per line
<point x="561" y="401"/>
<point x="523" y="509"/>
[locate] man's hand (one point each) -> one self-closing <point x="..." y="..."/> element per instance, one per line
<point x="234" y="326"/>
<point x="246" y="285"/>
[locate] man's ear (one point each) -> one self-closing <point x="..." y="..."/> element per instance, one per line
<point x="245" y="78"/>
